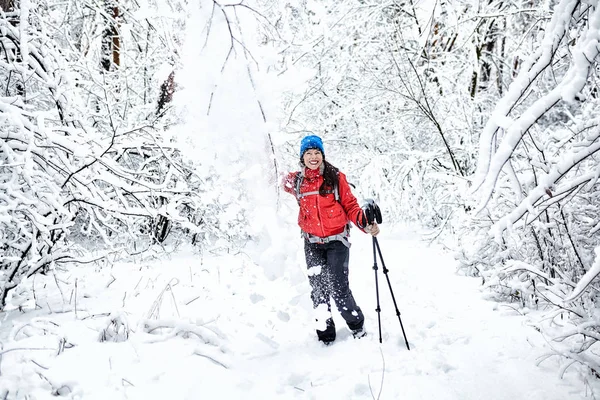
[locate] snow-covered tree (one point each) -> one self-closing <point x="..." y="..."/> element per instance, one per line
<point x="388" y="89"/>
<point x="536" y="178"/>
<point x="83" y="153"/>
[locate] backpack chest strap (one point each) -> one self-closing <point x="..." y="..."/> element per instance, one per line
<point x="301" y="195"/>
<point x="300" y="179"/>
<point x="342" y="237"/>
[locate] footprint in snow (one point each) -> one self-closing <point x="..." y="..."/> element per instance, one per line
<point x="255" y="298"/>
<point x="283" y="316"/>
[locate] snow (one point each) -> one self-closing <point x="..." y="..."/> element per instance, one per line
<point x="491" y="161"/>
<point x="540" y="191"/>
<point x="23" y="26"/>
<point x="585" y="280"/>
<point x="186" y="326"/>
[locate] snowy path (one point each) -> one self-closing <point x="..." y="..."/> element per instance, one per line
<point x="259" y="340"/>
<point x="460" y="348"/>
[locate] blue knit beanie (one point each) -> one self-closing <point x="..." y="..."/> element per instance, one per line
<point x="311" y="142"/>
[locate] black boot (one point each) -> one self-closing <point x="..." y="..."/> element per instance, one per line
<point x="328" y="335"/>
<point x="358" y="333"/>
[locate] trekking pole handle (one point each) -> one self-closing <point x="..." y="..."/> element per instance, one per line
<point x="372" y="212"/>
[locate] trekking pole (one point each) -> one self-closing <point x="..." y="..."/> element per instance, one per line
<point x="385" y="272"/>
<point x="372" y="213"/>
<point x="378" y="309"/>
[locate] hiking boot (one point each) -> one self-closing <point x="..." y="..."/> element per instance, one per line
<point x="358" y="333"/>
<point x="328" y="335"/>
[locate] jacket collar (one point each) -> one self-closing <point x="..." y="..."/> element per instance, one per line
<point x="312" y="173"/>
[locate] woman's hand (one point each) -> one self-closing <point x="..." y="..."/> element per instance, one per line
<point x="373" y="229"/>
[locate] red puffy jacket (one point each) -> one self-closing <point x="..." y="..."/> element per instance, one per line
<point x="322" y="215"/>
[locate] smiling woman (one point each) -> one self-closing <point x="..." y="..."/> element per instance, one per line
<point x="313" y="158"/>
<point x="327" y="206"/>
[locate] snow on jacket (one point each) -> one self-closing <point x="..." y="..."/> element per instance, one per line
<point x="322" y="215"/>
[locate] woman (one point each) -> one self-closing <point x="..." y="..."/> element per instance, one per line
<point x="326" y="207"/>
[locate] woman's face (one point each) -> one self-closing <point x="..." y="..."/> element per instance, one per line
<point x="313" y="158"/>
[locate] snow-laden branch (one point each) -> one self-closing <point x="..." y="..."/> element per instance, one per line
<point x="578" y="352"/>
<point x="586" y="280"/>
<point x="552" y="284"/>
<point x="490" y="164"/>
<point x="213" y="348"/>
<point x="71" y="163"/>
<point x="558" y="171"/>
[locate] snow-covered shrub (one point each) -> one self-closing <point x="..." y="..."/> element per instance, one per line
<point x="536" y="183"/>
<point x="35" y="158"/>
<point x="117" y="329"/>
<point x="87" y="163"/>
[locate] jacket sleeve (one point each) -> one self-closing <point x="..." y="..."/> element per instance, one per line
<point x="289" y="181"/>
<point x="350" y="204"/>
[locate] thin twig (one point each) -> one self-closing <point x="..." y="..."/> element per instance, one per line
<point x="211" y="359"/>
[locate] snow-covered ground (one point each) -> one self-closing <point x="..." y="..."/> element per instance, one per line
<point x="186" y="326"/>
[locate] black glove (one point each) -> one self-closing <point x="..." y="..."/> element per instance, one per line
<point x="371" y="213"/>
<point x="361" y="220"/>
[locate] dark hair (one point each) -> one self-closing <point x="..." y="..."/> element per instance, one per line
<point x="330" y="178"/>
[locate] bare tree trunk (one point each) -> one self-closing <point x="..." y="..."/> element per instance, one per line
<point x="482" y="73"/>
<point x="15" y="83"/>
<point x="116" y="40"/>
<point x="502" y="56"/>
<point x="491" y="34"/>
<point x="7" y="5"/>
<point x="111" y="41"/>
<point x="166" y="93"/>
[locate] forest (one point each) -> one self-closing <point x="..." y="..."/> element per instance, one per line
<point x="129" y="126"/>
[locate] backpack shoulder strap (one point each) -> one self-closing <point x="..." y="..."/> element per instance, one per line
<point x="336" y="189"/>
<point x="336" y="193"/>
<point x="297" y="183"/>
